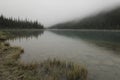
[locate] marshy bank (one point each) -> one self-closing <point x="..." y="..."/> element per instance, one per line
<point x="12" y="69"/>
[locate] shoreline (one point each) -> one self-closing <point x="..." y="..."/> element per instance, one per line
<point x="112" y="30"/>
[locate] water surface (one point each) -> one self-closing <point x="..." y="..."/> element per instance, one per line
<point x="98" y="50"/>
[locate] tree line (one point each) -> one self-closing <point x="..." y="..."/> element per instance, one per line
<point x="10" y="23"/>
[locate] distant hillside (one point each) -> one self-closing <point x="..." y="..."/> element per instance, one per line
<point x="10" y="23"/>
<point x="104" y="20"/>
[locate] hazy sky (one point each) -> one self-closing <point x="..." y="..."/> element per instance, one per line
<point x="50" y="12"/>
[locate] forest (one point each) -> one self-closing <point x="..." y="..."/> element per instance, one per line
<point x="12" y="23"/>
<point x="104" y="20"/>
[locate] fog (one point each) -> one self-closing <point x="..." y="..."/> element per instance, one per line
<point x="50" y="12"/>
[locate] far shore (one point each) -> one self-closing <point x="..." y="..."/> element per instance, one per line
<point x="112" y="30"/>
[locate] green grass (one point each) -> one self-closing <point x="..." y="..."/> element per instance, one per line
<point x="11" y="68"/>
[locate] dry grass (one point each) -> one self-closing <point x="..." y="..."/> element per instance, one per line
<point x="30" y="66"/>
<point x="69" y="70"/>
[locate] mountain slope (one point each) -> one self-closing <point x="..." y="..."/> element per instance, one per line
<point x="104" y="20"/>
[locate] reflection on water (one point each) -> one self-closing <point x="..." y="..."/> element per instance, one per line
<point x="107" y="39"/>
<point x="104" y="36"/>
<point x="88" y="48"/>
<point x="23" y="34"/>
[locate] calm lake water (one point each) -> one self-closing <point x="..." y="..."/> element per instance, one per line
<point x="98" y="50"/>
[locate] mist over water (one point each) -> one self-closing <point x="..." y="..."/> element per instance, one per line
<point x="50" y="12"/>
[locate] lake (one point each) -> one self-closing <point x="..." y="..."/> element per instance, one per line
<point x="99" y="51"/>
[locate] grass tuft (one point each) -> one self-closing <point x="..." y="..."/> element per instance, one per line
<point x="22" y="50"/>
<point x="6" y="44"/>
<point x="69" y="70"/>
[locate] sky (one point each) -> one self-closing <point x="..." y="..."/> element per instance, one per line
<point x="50" y="12"/>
